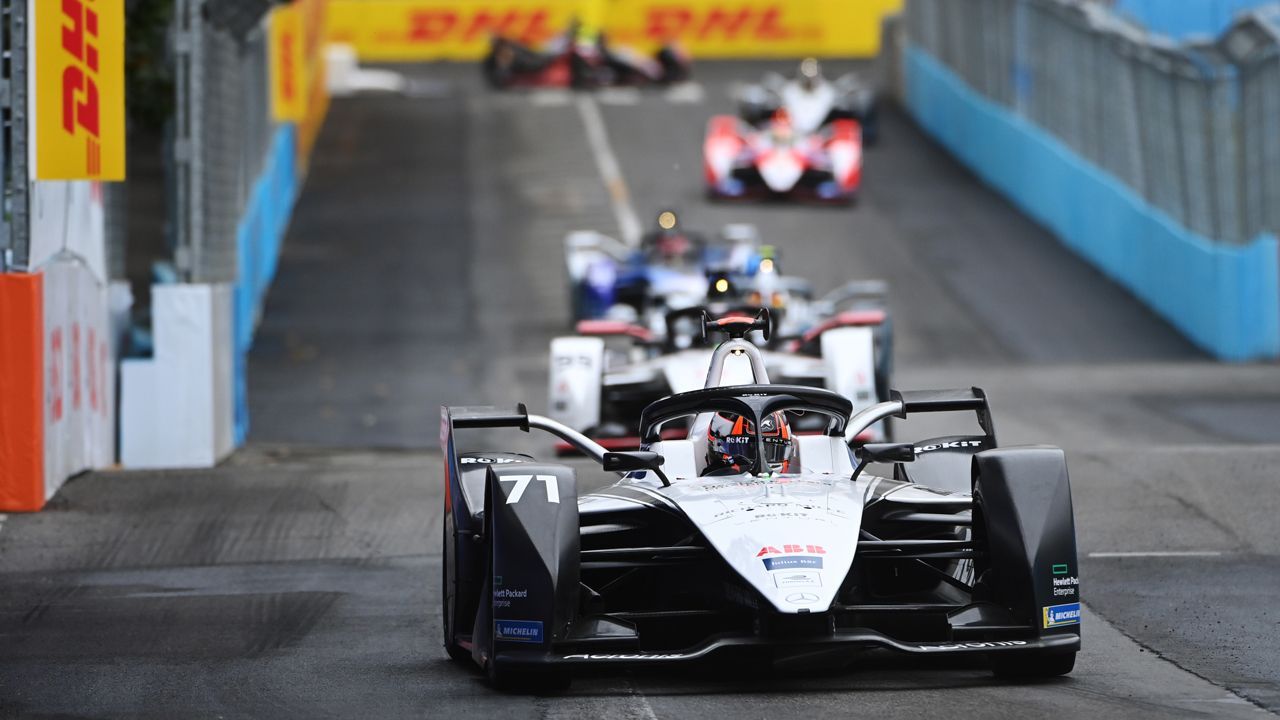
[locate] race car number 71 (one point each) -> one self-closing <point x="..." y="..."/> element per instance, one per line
<point x="522" y="483"/>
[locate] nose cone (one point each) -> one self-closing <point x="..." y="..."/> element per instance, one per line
<point x="781" y="170"/>
<point x="791" y="538"/>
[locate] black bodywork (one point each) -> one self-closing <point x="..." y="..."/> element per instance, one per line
<point x="510" y="63"/>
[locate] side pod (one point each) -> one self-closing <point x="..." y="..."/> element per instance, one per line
<point x="1023" y="496"/>
<point x="531" y="584"/>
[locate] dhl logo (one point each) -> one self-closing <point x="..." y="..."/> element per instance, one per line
<point x="762" y="22"/>
<point x="287" y="47"/>
<point x="439" y="25"/>
<point x="81" y="107"/>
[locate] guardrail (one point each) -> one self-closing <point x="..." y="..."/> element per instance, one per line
<point x="1131" y="148"/>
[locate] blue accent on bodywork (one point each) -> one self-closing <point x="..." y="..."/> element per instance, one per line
<point x="1225" y="298"/>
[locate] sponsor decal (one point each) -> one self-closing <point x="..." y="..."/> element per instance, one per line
<point x="529" y="631"/>
<point x="631" y="656"/>
<point x="79" y="89"/>
<point x="791" y="550"/>
<point x="952" y="445"/>
<point x="802" y="598"/>
<point x="792" y="562"/>
<point x="487" y="461"/>
<point x="798" y="579"/>
<point x="502" y="597"/>
<point x="1066" y="586"/>
<point x="1059" y="615"/>
<point x="976" y="645"/>
<point x="1061" y="569"/>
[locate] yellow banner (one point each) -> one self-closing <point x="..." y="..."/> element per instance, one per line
<point x="404" y="30"/>
<point x="288" y="68"/>
<point x="79" y="89"/>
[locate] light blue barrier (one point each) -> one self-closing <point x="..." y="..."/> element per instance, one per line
<point x="259" y="236"/>
<point x="1182" y="18"/>
<point x="1225" y="298"/>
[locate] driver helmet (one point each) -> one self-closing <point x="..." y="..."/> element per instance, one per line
<point x="781" y="127"/>
<point x="810" y="75"/>
<point x="731" y="445"/>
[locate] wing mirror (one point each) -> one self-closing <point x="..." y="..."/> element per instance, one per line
<point x="882" y="453"/>
<point x="635" y="461"/>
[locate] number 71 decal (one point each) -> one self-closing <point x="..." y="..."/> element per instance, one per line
<point x="522" y="484"/>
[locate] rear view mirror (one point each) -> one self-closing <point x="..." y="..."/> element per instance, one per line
<point x="886" y="452"/>
<point x="882" y="453"/>
<point x="635" y="461"/>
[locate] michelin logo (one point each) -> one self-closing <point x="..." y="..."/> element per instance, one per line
<point x="1059" y="615"/>
<point x="529" y="631"/>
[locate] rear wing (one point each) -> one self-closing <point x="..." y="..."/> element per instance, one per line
<point x="902" y="404"/>
<point x="480" y="417"/>
<point x="934" y="401"/>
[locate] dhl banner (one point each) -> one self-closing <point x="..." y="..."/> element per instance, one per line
<point x="78" y="86"/>
<point x="288" y="76"/>
<point x="406" y="30"/>
<point x="298" y="90"/>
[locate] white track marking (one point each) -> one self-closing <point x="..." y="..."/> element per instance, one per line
<point x="642" y="703"/>
<point x="610" y="172"/>
<point x="2" y="519"/>
<point x="1157" y="554"/>
<point x="618" y="96"/>
<point x="686" y="93"/>
<point x="550" y="98"/>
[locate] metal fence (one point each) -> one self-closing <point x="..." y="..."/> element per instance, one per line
<point x="223" y="129"/>
<point x="14" y="237"/>
<point x="1194" y="128"/>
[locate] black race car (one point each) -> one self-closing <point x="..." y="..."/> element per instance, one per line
<point x="745" y="540"/>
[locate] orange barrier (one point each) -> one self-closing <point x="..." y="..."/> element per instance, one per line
<point x="22" y="386"/>
<point x="416" y="30"/>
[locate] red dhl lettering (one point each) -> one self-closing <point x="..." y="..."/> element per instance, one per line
<point x="757" y="23"/>
<point x="80" y="103"/>
<point x="791" y="550"/>
<point x="427" y="26"/>
<point x="287" y="87"/>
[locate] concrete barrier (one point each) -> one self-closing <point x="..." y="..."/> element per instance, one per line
<point x="1224" y="298"/>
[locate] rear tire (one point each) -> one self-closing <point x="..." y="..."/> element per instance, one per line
<point x="1032" y="665"/>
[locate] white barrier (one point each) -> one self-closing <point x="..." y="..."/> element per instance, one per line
<point x="176" y="407"/>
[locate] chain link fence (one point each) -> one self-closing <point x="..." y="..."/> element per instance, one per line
<point x="1194" y="128"/>
<point x="223" y="130"/>
<point x="14" y="238"/>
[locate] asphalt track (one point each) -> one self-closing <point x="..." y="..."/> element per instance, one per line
<point x="299" y="579"/>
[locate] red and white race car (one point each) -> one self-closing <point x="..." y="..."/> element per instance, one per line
<point x="742" y="161"/>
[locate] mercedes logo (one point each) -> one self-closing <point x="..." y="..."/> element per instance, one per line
<point x="802" y="598"/>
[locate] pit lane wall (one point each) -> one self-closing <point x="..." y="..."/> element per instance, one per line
<point x="57" y="350"/>
<point x="1224" y="297"/>
<point x="420" y="30"/>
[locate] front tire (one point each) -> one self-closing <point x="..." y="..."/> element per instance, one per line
<point x="1032" y="665"/>
<point x="531" y="682"/>
<point x="456" y="652"/>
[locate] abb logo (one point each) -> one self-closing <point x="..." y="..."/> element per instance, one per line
<point x="755" y="23"/>
<point x="791" y="550"/>
<point x="81" y="107"/>
<point x="430" y="26"/>
<point x="89" y="364"/>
